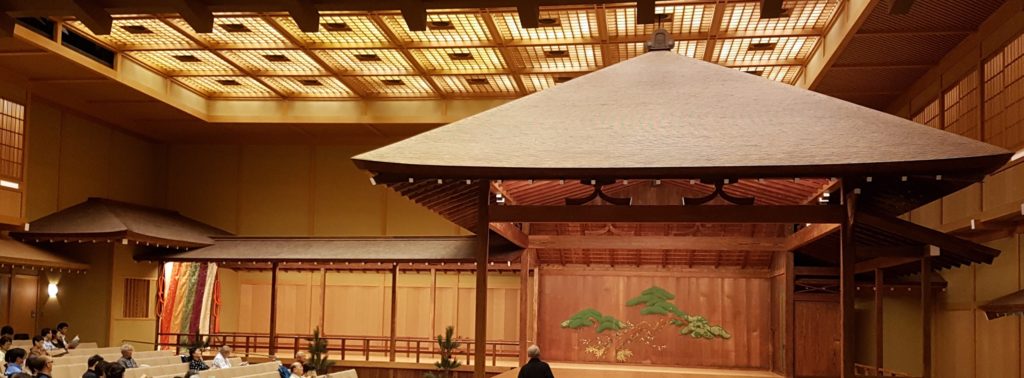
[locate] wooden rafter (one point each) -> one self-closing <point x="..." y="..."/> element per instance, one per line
<point x="305" y="14"/>
<point x="511" y="233"/>
<point x="657" y="242"/>
<point x="900" y="7"/>
<point x="6" y="25"/>
<point x="771" y="9"/>
<point x="668" y="214"/>
<point x="808" y="235"/>
<point x="883" y="262"/>
<point x="196" y="14"/>
<point x="92" y="14"/>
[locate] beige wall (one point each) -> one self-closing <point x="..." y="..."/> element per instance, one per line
<point x="83" y="300"/>
<point x="133" y="329"/>
<point x="290" y="190"/>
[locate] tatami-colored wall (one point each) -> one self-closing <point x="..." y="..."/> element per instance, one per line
<point x="290" y="190"/>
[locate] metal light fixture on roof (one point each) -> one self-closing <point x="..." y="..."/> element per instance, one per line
<point x="661" y="40"/>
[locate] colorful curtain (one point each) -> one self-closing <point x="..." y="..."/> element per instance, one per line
<point x="187" y="295"/>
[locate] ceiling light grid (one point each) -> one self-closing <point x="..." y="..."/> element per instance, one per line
<point x="183" y="62"/>
<point x="238" y="32"/>
<point x="227" y="86"/>
<point x="310" y="86"/>
<point x="443" y="29"/>
<point x="477" y="85"/>
<point x="539" y="82"/>
<point x="556" y="26"/>
<point x="785" y="74"/>
<point x="365" y="61"/>
<point x="459" y="59"/>
<point x="337" y="31"/>
<point x="558" y="58"/>
<point x="804" y="16"/>
<point x="755" y="51"/>
<point x="137" y="34"/>
<point x="394" y="86"/>
<point x="680" y="20"/>
<point x="274" y="62"/>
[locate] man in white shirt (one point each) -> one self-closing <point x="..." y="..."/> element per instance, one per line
<point x="221" y="361"/>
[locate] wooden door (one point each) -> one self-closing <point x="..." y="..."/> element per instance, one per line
<point x="817" y="337"/>
<point x="24" y="297"/>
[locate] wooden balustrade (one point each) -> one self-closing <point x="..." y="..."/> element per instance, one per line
<point x="422" y="350"/>
<point x="862" y="370"/>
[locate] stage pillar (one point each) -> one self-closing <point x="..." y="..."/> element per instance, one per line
<point x="790" y="343"/>
<point x="524" y="303"/>
<point x="323" y="298"/>
<point x="159" y="303"/>
<point x="879" y="335"/>
<point x="482" y="234"/>
<point x="847" y="287"/>
<point x="394" y="311"/>
<point x="926" y="314"/>
<point x="273" y="310"/>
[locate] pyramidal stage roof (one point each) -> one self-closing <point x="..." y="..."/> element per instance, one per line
<point x="663" y="115"/>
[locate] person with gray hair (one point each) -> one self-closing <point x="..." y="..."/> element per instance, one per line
<point x="126" y="361"/>
<point x="223" y="358"/>
<point x="535" y="368"/>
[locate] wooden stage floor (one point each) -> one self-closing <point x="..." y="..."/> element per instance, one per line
<point x="570" y="370"/>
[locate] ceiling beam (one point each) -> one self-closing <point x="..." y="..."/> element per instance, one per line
<point x="511" y="233"/>
<point x="92" y="14"/>
<point x="657" y="242"/>
<point x="529" y="14"/>
<point x="668" y="214"/>
<point x="196" y="14"/>
<point x="305" y="15"/>
<point x="771" y="8"/>
<point x="808" y="235"/>
<point x="926" y="236"/>
<point x="900" y="7"/>
<point x="415" y="14"/>
<point x="851" y="15"/>
<point x="645" y="12"/>
<point x="883" y="262"/>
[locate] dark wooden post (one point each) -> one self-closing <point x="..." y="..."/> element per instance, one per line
<point x="847" y="286"/>
<point x="159" y="303"/>
<point x="790" y="346"/>
<point x="273" y="310"/>
<point x="524" y="300"/>
<point x="926" y="314"/>
<point x="482" y="234"/>
<point x="323" y="298"/>
<point x="394" y="311"/>
<point x="879" y="335"/>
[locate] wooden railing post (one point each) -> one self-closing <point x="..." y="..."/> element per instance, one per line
<point x="394" y="310"/>
<point x="482" y="231"/>
<point x="273" y="310"/>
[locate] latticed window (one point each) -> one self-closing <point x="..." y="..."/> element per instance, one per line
<point x="12" y="143"/>
<point x="1004" y="94"/>
<point x="961" y="107"/>
<point x="136" y="298"/>
<point x="930" y="115"/>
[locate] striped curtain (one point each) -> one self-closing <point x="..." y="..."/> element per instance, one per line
<point x="186" y="297"/>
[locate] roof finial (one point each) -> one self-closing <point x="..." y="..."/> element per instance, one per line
<point x="660" y="41"/>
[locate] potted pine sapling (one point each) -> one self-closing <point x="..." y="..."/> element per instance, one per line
<point x="447" y="346"/>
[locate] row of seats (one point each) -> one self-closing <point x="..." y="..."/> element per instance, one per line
<point x="351" y="373"/>
<point x="171" y="370"/>
<point x="110" y="356"/>
<point x="233" y="372"/>
<point x="26" y="344"/>
<point x="158" y="366"/>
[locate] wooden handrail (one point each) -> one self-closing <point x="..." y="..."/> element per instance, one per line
<point x="871" y="371"/>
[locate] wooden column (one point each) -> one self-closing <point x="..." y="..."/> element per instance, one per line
<point x="879" y="335"/>
<point x="433" y="301"/>
<point x="323" y="298"/>
<point x="273" y="309"/>
<point x="394" y="311"/>
<point x="524" y="301"/>
<point x="790" y="346"/>
<point x="926" y="315"/>
<point x="159" y="303"/>
<point x="847" y="288"/>
<point x="482" y="234"/>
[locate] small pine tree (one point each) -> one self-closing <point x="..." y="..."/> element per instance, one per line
<point x="195" y="341"/>
<point x="318" y="353"/>
<point x="447" y="346"/>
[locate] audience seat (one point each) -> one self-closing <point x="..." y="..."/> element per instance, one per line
<point x="350" y="373"/>
<point x="240" y="371"/>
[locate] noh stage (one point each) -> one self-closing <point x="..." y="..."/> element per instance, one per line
<point x="569" y="370"/>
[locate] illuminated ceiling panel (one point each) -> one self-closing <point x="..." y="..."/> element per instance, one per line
<point x="680" y="20"/>
<point x="477" y="85"/>
<point x="442" y="29"/>
<point x="239" y="32"/>
<point x="459" y="59"/>
<point x="337" y="31"/>
<point x="769" y="49"/>
<point x="559" y="57"/>
<point x="394" y="86"/>
<point x="559" y="26"/>
<point x="275" y="62"/>
<point x="804" y="15"/>
<point x="538" y="82"/>
<point x="139" y="34"/>
<point x="184" y="62"/>
<point x="227" y="86"/>
<point x="309" y="86"/>
<point x="366" y="61"/>
<point x="463" y="53"/>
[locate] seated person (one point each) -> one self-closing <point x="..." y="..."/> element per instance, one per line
<point x="5" y="344"/>
<point x="47" y="335"/>
<point x="126" y="360"/>
<point x="222" y="360"/>
<point x="15" y="359"/>
<point x="60" y="339"/>
<point x="92" y="371"/>
<point x="38" y="347"/>
<point x="41" y="365"/>
<point x="285" y="370"/>
<point x="113" y="371"/>
<point x="196" y="362"/>
<point x="7" y="331"/>
<point x="297" y="370"/>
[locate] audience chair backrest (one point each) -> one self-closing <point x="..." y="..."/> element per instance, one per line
<point x="92" y="351"/>
<point x="69" y="370"/>
<point x="240" y="371"/>
<point x="269" y="374"/>
<point x="89" y="345"/>
<point x="158" y="361"/>
<point x="351" y="373"/>
<point x="152" y="371"/>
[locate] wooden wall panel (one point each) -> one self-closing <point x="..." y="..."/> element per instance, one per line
<point x="739" y="304"/>
<point x="275" y="191"/>
<point x="954" y="337"/>
<point x="344" y="201"/>
<point x="962" y="205"/>
<point x="203" y="183"/>
<point x="817" y="338"/>
<point x="997" y="349"/>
